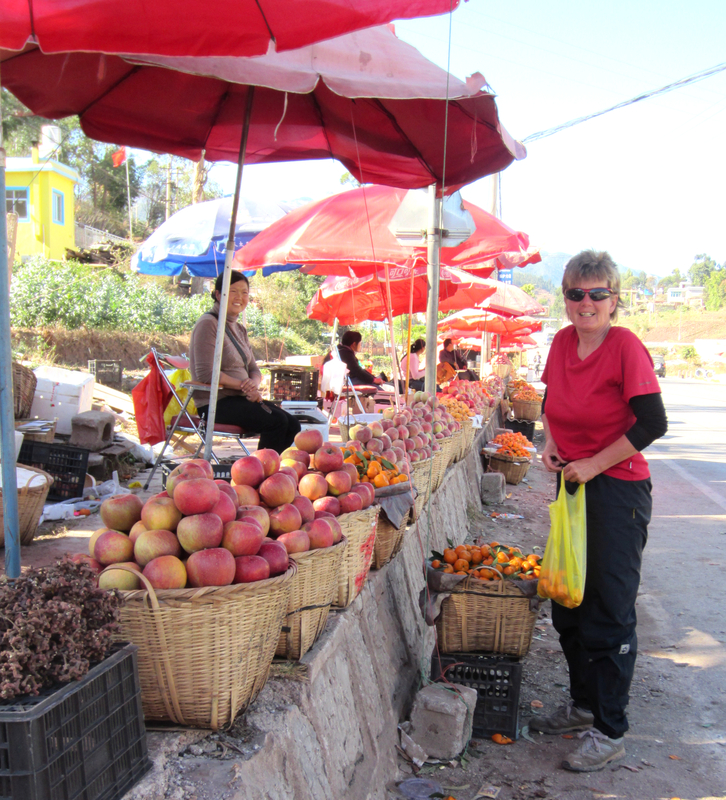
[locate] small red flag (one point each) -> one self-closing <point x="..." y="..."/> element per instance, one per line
<point x="119" y="157"/>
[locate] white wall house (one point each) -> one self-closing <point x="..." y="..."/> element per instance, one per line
<point x="685" y="294"/>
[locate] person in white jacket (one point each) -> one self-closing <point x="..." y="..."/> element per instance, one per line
<point x="417" y="366"/>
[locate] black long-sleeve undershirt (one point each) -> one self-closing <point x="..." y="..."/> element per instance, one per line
<point x="650" y="423"/>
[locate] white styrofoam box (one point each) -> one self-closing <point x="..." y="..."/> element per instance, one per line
<point x="18" y="444"/>
<point x="62" y="393"/>
<point x="309" y="415"/>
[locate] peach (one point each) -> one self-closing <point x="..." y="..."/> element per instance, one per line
<point x="224" y="508"/>
<point x="361" y="433"/>
<point x="376" y="429"/>
<point x="121" y="513"/>
<point x="257" y="514"/>
<point x="295" y="541"/>
<point x="350" y="501"/>
<point x="166" y="572"/>
<point x="242" y="538"/>
<point x="247" y="495"/>
<point x="200" y="531"/>
<point x="277" y="490"/>
<point x="269" y="459"/>
<point x="284" y="518"/>
<point x="251" y="568"/>
<point x="152" y="544"/>
<point x="248" y="471"/>
<point x="212" y="567"/>
<point x="197" y="496"/>
<point x="328" y="458"/>
<point x="313" y="486"/>
<point x="310" y="441"/>
<point x="120" y="578"/>
<point x="305" y="507"/>
<point x="112" y="547"/>
<point x="276" y="556"/>
<point x="160" y="514"/>
<point x="338" y="482"/>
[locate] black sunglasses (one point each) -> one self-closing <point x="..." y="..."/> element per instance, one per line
<point x="595" y="294"/>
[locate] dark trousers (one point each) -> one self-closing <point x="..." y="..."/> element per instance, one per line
<point x="598" y="637"/>
<point x="277" y="429"/>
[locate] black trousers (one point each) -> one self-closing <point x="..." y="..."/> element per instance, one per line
<point x="277" y="429"/>
<point x="598" y="637"/>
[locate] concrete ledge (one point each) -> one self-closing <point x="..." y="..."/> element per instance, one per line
<point x="330" y="731"/>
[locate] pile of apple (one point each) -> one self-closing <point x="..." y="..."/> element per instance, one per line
<point x="471" y="395"/>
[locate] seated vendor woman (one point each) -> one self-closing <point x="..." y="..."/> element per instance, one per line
<point x="239" y="401"/>
<point x="348" y="348"/>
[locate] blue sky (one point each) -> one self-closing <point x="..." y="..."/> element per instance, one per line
<point x="645" y="182"/>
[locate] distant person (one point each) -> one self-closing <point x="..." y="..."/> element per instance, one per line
<point x="417" y="371"/>
<point x="602" y="407"/>
<point x="348" y="349"/>
<point x="449" y="355"/>
<point x="536" y="361"/>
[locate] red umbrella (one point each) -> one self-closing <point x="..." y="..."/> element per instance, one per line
<point x="192" y="27"/>
<point x="519" y="326"/>
<point x="505" y="299"/>
<point x="353" y="300"/>
<point x="368" y="99"/>
<point x="355" y="232"/>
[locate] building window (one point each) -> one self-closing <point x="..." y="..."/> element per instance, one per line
<point x="16" y="201"/>
<point x="58" y="209"/>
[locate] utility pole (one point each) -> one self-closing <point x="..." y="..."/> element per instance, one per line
<point x="168" y="188"/>
<point x="128" y="198"/>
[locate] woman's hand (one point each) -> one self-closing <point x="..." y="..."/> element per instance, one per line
<point x="253" y="394"/>
<point x="581" y="471"/>
<point x="247" y="385"/>
<point x="551" y="458"/>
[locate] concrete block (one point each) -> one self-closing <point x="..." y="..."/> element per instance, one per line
<point x="92" y="430"/>
<point x="493" y="487"/>
<point x="442" y="719"/>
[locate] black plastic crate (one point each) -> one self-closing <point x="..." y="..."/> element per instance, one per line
<point x="109" y="373"/>
<point x="222" y="471"/>
<point x="66" y="464"/>
<point x="294" y="383"/>
<point x="522" y="426"/>
<point x="497" y="681"/>
<point x="84" y="741"/>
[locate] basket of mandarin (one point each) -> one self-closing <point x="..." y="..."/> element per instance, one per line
<point x="511" y="454"/>
<point x="527" y="404"/>
<point x="488" y="608"/>
<point x="515" y="386"/>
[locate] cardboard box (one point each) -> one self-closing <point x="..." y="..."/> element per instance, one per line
<point x="305" y="361"/>
<point x="61" y="393"/>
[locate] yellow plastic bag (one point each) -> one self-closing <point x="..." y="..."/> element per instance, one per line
<point x="562" y="576"/>
<point x="176" y="378"/>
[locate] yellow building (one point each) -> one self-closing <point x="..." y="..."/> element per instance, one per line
<point x="40" y="192"/>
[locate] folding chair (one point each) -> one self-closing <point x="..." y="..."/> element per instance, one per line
<point x="184" y="422"/>
<point x="335" y="379"/>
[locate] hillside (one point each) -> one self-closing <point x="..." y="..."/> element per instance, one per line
<point x="665" y="326"/>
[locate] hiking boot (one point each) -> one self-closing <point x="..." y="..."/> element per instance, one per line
<point x="567" y="718"/>
<point x="596" y="752"/>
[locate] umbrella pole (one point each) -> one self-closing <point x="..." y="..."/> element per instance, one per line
<point x="408" y="340"/>
<point x="394" y="363"/>
<point x="433" y="241"/>
<point x="229" y="255"/>
<point x="7" y="410"/>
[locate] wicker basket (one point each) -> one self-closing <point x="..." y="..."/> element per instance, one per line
<point x="204" y="654"/>
<point x="24" y="383"/>
<point x="311" y="595"/>
<point x="422" y="476"/>
<point x="441" y="462"/>
<point x="457" y="446"/>
<point x="501" y="370"/>
<point x="512" y="470"/>
<point x="30" y="506"/>
<point x="389" y="541"/>
<point x="468" y="427"/>
<point x="486" y="616"/>
<point x="530" y="410"/>
<point x="359" y="527"/>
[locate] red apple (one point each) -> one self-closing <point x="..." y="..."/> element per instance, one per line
<point x="296" y="455"/>
<point x="329" y="503"/>
<point x="224" y="508"/>
<point x="292" y="473"/>
<point x="283" y="519"/>
<point x="338" y="482"/>
<point x="94" y="538"/>
<point x="200" y="531"/>
<point x="335" y="527"/>
<point x="366" y="492"/>
<point x="299" y="468"/>
<point x="310" y="441"/>
<point x="248" y="471"/>
<point x="295" y="541"/>
<point x="152" y="544"/>
<point x="225" y="488"/>
<point x="276" y="556"/>
<point x="313" y="486"/>
<point x="320" y="534"/>
<point x="120" y="578"/>
<point x="277" y="490"/>
<point x="197" y="496"/>
<point x="112" y="547"/>
<point x="242" y="538"/>
<point x="205" y="466"/>
<point x="166" y="572"/>
<point x="270" y="461"/>
<point x="350" y="501"/>
<point x="121" y="513"/>
<point x="352" y="471"/>
<point x="89" y="561"/>
<point x="212" y="567"/>
<point x="136" y="531"/>
<point x="305" y="507"/>
<point x="247" y="495"/>
<point x="257" y="514"/>
<point x="184" y="472"/>
<point x="251" y="568"/>
<point x="328" y="459"/>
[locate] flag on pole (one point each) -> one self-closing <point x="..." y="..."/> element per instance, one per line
<point x="119" y="157"/>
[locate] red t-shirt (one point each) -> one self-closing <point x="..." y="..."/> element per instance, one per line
<point x="587" y="401"/>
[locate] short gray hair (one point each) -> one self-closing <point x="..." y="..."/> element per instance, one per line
<point x="594" y="265"/>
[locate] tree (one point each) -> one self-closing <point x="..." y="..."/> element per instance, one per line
<point x="528" y="288"/>
<point x="716" y="290"/>
<point x="671" y="280"/>
<point x="285" y="295"/>
<point x="701" y="269"/>
<point x="627" y="280"/>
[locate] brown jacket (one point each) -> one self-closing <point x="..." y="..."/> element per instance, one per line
<point x="201" y="355"/>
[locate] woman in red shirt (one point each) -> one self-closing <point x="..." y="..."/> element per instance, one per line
<point x="602" y="407"/>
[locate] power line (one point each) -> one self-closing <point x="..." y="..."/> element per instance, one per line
<point x="699" y="76"/>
